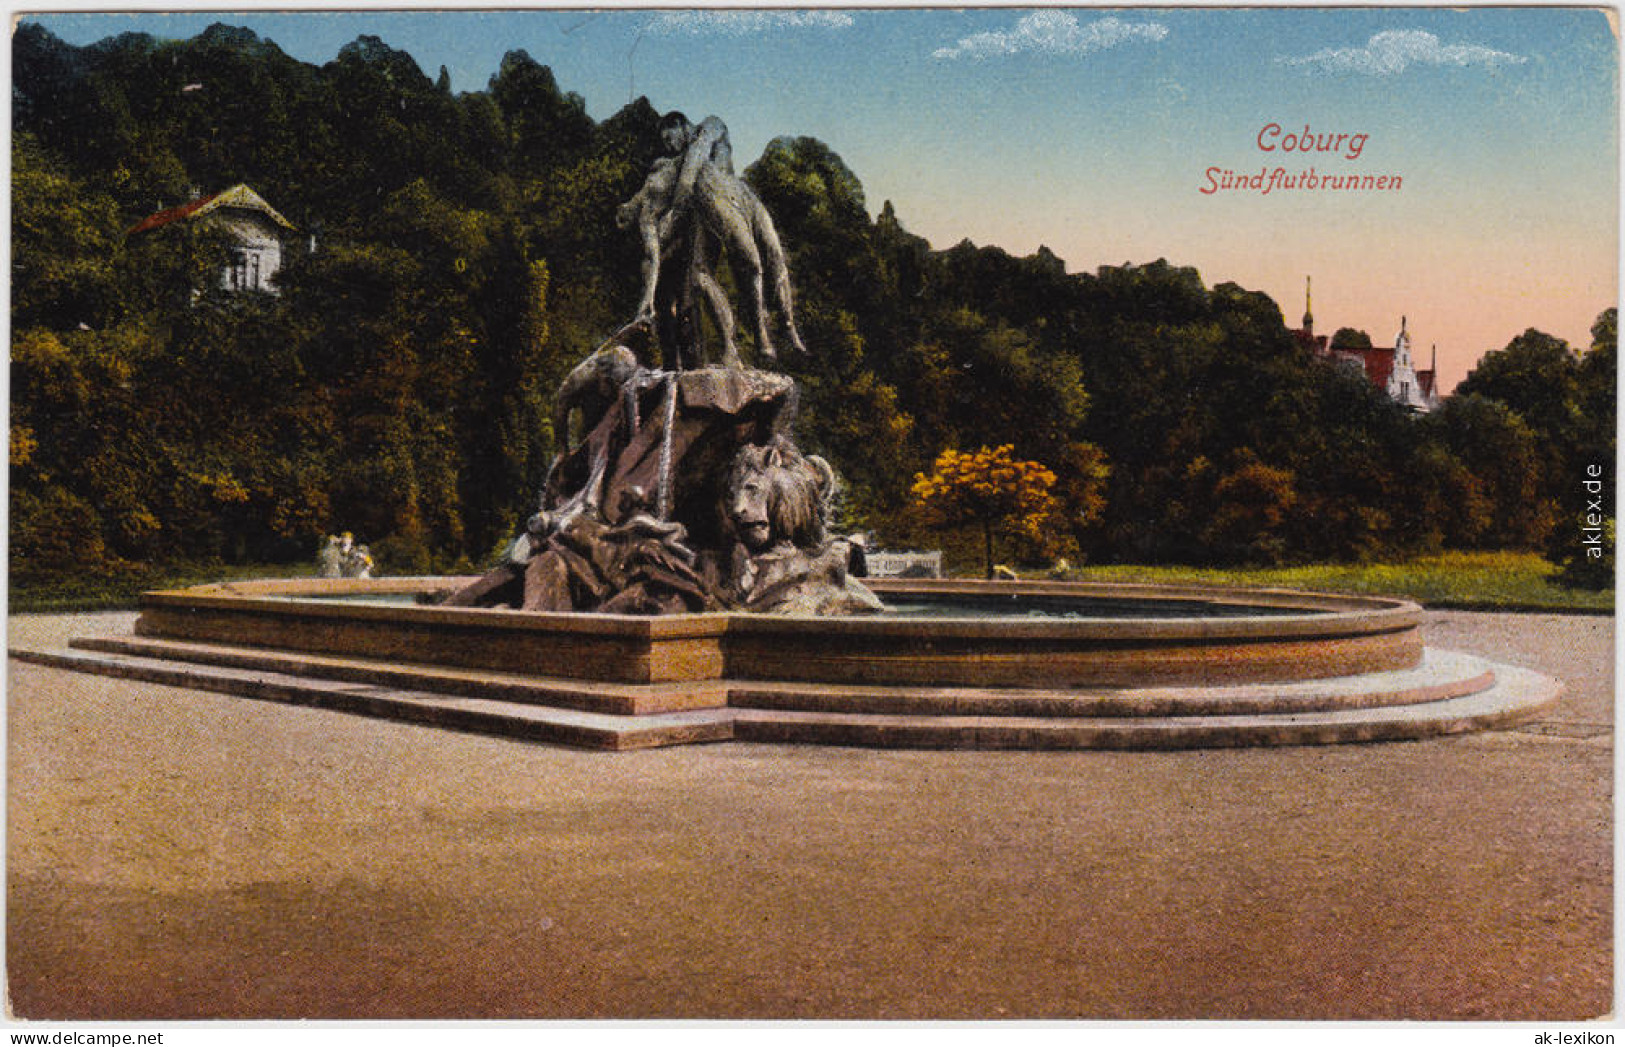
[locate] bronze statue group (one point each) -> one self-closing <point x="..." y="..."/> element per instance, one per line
<point x="684" y="490"/>
<point x="691" y="207"/>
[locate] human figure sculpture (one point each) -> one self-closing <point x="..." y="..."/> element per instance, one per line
<point x="676" y="323"/>
<point x="592" y="386"/>
<point x="330" y="558"/>
<point x="358" y="563"/>
<point x="691" y="207"/>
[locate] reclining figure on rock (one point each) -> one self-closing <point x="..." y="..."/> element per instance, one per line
<point x="592" y="387"/>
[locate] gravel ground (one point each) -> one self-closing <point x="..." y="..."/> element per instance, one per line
<point x="178" y="854"/>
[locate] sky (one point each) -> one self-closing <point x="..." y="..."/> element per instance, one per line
<point x="1487" y="199"/>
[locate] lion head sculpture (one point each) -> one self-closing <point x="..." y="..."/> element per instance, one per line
<point x="776" y="494"/>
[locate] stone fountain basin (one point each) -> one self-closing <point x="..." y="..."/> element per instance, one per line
<point x="1102" y="667"/>
<point x="1259" y="635"/>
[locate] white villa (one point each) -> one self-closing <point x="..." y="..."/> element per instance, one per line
<point x="255" y="227"/>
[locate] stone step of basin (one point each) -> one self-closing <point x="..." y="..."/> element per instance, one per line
<point x="1442" y="675"/>
<point x="478" y="715"/>
<point x="1516" y="695"/>
<point x="588" y="696"/>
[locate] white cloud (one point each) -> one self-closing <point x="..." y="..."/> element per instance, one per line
<point x="743" y="23"/>
<point x="1396" y="50"/>
<point x="1052" y="33"/>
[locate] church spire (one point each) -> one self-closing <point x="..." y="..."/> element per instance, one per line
<point x="1308" y="313"/>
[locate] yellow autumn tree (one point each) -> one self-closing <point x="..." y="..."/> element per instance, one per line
<point x="989" y="489"/>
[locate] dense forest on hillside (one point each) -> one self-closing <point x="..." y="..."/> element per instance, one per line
<point x="457" y="254"/>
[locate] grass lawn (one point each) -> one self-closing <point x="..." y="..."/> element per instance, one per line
<point x="1487" y="581"/>
<point x="109" y="592"/>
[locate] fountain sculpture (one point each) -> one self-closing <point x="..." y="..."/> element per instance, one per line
<point x="687" y="492"/>
<point x="678" y="582"/>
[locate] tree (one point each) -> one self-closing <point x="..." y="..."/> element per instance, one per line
<point x="1446" y="504"/>
<point x="1251" y="503"/>
<point x="549" y="127"/>
<point x="1350" y="338"/>
<point x="981" y="380"/>
<point x="818" y="209"/>
<point x="989" y="489"/>
<point x="63" y="243"/>
<point x="1535" y="376"/>
<point x="1501" y="455"/>
<point x="849" y="416"/>
<point x="399" y="385"/>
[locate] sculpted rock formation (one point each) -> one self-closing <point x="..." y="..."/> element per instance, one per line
<point x="686" y="495"/>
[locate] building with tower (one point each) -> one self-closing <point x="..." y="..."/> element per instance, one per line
<point x="1407" y="386"/>
<point x="1391" y="370"/>
<point x="1306" y="334"/>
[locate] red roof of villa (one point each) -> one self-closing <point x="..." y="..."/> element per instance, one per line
<point x="237" y="196"/>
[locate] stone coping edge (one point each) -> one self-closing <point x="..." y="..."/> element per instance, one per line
<point x="1325" y="614"/>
